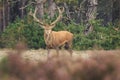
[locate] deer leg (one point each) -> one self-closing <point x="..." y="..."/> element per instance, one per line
<point x="70" y="51"/>
<point x="57" y="51"/>
<point x="48" y="53"/>
<point x="68" y="46"/>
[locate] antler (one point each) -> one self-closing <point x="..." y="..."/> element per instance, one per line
<point x="59" y="17"/>
<point x="42" y="23"/>
<point x="34" y="16"/>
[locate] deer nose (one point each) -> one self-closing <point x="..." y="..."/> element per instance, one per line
<point x="47" y="31"/>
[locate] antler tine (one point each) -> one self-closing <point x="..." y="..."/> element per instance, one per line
<point x="59" y="17"/>
<point x="34" y="16"/>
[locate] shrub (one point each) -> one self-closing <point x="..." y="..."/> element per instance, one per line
<point x="25" y="31"/>
<point x="100" y="38"/>
<point x="30" y="33"/>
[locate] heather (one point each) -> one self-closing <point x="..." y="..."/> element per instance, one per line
<point x="99" y="66"/>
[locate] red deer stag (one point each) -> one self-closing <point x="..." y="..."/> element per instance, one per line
<point x="55" y="39"/>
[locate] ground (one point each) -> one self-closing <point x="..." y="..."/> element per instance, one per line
<point x="41" y="54"/>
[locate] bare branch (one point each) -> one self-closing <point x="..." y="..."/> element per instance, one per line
<point x="82" y="3"/>
<point x="28" y="5"/>
<point x="11" y="1"/>
<point x="36" y="3"/>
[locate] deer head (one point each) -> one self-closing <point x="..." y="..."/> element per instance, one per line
<point x="47" y="27"/>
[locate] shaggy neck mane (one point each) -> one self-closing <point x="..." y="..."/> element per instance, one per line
<point x="48" y="38"/>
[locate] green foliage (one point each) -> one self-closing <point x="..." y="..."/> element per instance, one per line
<point x="100" y="38"/>
<point x="22" y="30"/>
<point x="30" y="33"/>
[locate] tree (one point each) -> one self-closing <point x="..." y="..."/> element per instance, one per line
<point x="22" y="11"/>
<point x="40" y="7"/>
<point x="116" y="11"/>
<point x="91" y="10"/>
<point x="1" y="10"/>
<point x="51" y="8"/>
<point x="4" y="14"/>
<point x="79" y="11"/>
<point x="9" y="10"/>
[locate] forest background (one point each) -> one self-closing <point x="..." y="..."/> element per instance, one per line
<point x="94" y="23"/>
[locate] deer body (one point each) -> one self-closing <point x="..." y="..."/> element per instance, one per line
<point x="55" y="39"/>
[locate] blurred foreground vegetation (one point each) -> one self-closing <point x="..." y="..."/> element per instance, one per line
<point x="104" y="66"/>
<point x="29" y="32"/>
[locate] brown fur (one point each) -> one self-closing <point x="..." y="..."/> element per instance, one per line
<point x="58" y="39"/>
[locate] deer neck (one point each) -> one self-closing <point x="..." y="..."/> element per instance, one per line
<point x="48" y="37"/>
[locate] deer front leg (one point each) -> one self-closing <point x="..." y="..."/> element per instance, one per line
<point x="57" y="51"/>
<point x="48" y="52"/>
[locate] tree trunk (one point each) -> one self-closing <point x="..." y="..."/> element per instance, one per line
<point x="68" y="19"/>
<point x="1" y="7"/>
<point x="40" y="7"/>
<point x="109" y="16"/>
<point x="23" y="10"/>
<point x="116" y="11"/>
<point x="3" y="14"/>
<point x="8" y="13"/>
<point x="67" y="10"/>
<point x="91" y="11"/>
<point x="51" y="8"/>
<point x="105" y="9"/>
<point x="81" y="11"/>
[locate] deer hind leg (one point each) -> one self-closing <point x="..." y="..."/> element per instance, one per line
<point x="68" y="46"/>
